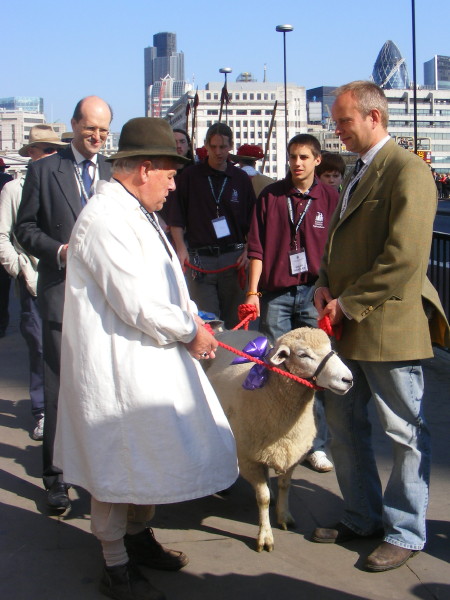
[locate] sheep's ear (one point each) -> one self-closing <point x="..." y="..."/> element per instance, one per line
<point x="282" y="352"/>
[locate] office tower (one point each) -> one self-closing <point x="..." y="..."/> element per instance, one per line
<point x="436" y="72"/>
<point x="389" y="70"/>
<point x="163" y="74"/>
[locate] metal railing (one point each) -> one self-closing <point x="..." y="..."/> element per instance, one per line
<point x="438" y="268"/>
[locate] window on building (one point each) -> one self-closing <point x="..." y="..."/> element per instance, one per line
<point x="212" y="111"/>
<point x="244" y="123"/>
<point x="216" y="96"/>
<point x="208" y="96"/>
<point x="241" y="111"/>
<point x="258" y="96"/>
<point x="266" y="96"/>
<point x="236" y="96"/>
<point x="244" y="96"/>
<point x="267" y="112"/>
<point x="252" y="96"/>
<point x="255" y="112"/>
<point x="252" y="135"/>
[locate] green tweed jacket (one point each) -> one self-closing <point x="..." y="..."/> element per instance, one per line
<point x="376" y="260"/>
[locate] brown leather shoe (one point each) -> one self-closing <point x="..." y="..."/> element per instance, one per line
<point x="340" y="533"/>
<point x="144" y="549"/>
<point x="387" y="557"/>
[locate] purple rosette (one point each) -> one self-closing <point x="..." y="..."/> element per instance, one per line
<point x="257" y="376"/>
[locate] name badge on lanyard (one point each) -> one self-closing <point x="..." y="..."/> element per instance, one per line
<point x="220" y="224"/>
<point x="298" y="262"/>
<point x="297" y="258"/>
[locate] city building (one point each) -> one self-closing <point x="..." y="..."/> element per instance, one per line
<point x="31" y="104"/>
<point x="436" y="73"/>
<point x="250" y="114"/>
<point x="389" y="70"/>
<point x="319" y="102"/>
<point x="15" y="128"/>
<point x="163" y="74"/>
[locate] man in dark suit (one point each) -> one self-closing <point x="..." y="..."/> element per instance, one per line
<point x="53" y="195"/>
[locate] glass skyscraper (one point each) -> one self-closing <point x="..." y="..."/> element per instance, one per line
<point x="160" y="60"/>
<point x="436" y="72"/>
<point x="389" y="70"/>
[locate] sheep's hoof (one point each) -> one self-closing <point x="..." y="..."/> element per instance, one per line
<point x="267" y="545"/>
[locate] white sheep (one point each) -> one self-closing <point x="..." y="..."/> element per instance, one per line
<point x="274" y="426"/>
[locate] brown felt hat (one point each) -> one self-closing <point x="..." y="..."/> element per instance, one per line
<point x="147" y="136"/>
<point x="41" y="134"/>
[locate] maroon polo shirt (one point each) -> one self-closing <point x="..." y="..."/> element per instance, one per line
<point x="271" y="240"/>
<point x="194" y="204"/>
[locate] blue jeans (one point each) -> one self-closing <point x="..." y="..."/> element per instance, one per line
<point x="283" y="311"/>
<point x="397" y="390"/>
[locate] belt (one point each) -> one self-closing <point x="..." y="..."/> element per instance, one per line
<point x="216" y="250"/>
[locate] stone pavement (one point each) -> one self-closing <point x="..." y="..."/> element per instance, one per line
<point x="44" y="557"/>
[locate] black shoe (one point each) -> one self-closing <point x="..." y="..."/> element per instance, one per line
<point x="57" y="496"/>
<point x="340" y="533"/>
<point x="143" y="549"/>
<point x="126" y="582"/>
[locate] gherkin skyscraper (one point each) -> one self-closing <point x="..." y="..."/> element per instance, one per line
<point x="390" y="71"/>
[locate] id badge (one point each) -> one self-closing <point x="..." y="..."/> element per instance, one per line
<point x="298" y="262"/>
<point x="221" y="227"/>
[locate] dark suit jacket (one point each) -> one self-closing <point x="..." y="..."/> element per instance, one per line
<point x="50" y="205"/>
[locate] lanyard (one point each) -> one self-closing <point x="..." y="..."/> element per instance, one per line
<point x="152" y="219"/>
<point x="217" y="199"/>
<point x="291" y="217"/>
<point x="80" y="181"/>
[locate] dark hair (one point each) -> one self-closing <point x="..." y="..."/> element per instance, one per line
<point x="331" y="162"/>
<point x="78" y="112"/>
<point x="189" y="154"/>
<point x="219" y="129"/>
<point x="305" y="139"/>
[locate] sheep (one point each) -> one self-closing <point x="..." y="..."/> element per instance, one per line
<point x="274" y="426"/>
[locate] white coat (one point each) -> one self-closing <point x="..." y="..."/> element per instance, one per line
<point x="12" y="256"/>
<point x="138" y="421"/>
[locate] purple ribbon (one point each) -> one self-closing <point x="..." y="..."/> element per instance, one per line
<point x="257" y="376"/>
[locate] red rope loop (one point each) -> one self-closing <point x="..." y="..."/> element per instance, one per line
<point x="242" y="275"/>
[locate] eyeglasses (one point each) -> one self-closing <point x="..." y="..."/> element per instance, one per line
<point x="91" y="130"/>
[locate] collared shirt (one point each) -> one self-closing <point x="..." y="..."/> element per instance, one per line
<point x="270" y="235"/>
<point x="93" y="169"/>
<point x="366" y="158"/>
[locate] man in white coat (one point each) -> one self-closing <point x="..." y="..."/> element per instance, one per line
<point x="138" y="422"/>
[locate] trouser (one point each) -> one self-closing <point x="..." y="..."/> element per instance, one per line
<point x="5" y="284"/>
<point x="110" y="522"/>
<point x="218" y="293"/>
<point x="283" y="311"/>
<point x="51" y="345"/>
<point x="31" y="330"/>
<point x="397" y="391"/>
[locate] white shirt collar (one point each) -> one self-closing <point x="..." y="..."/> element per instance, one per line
<point x="79" y="158"/>
<point x="368" y="157"/>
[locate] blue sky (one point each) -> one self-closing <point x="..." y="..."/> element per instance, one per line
<point x="64" y="51"/>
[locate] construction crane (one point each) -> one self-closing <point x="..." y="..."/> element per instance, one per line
<point x="158" y="106"/>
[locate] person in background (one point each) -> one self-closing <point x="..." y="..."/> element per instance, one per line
<point x="286" y="240"/>
<point x="246" y="158"/>
<point x="213" y="207"/>
<point x="5" y="280"/>
<point x="331" y="169"/>
<point x="42" y="142"/>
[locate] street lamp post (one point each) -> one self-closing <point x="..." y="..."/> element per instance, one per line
<point x="285" y="29"/>
<point x="224" y="95"/>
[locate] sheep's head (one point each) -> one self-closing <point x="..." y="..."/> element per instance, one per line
<point x="305" y="352"/>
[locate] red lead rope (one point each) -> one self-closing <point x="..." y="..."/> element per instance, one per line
<point x="247" y="312"/>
